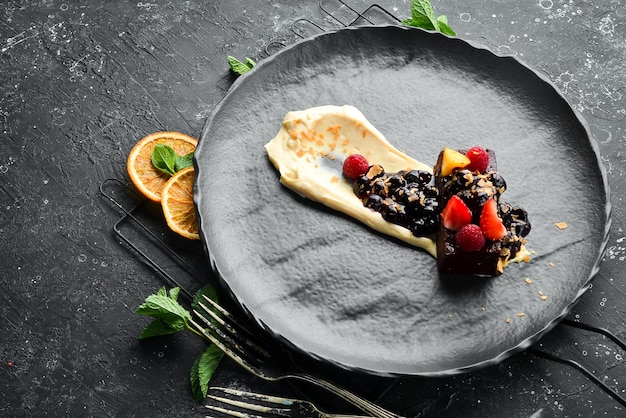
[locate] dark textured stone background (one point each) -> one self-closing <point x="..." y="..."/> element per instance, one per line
<point x="81" y="82"/>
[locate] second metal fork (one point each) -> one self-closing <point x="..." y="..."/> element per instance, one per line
<point x="231" y="401"/>
<point x="244" y="347"/>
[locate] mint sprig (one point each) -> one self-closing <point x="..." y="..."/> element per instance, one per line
<point x="239" y="67"/>
<point x="423" y="16"/>
<point x="169" y="316"/>
<point x="202" y="371"/>
<point x="165" y="159"/>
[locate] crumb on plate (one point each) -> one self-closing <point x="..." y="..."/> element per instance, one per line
<point x="561" y="225"/>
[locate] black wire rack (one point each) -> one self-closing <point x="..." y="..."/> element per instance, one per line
<point x="134" y="225"/>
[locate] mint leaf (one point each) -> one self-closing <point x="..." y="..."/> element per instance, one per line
<point x="208" y="291"/>
<point x="164" y="158"/>
<point x="202" y="370"/>
<point x="421" y="22"/>
<point x="418" y="7"/>
<point x="166" y="309"/>
<point x="443" y="26"/>
<point x="239" y="67"/>
<point x="423" y="16"/>
<point x="174" y="293"/>
<point x="157" y="328"/>
<point x="183" y="161"/>
<point x="158" y="306"/>
<point x="421" y="8"/>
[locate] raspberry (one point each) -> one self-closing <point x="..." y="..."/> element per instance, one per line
<point x="479" y="159"/>
<point x="470" y="238"/>
<point x="354" y="166"/>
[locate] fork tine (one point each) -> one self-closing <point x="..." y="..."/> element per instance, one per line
<point x="215" y="329"/>
<point x="231" y="325"/>
<point x="231" y="412"/>
<point x="227" y="349"/>
<point x="233" y="334"/>
<point x="247" y="403"/>
<point x="249" y="406"/>
<point x="223" y="311"/>
<point x="256" y="396"/>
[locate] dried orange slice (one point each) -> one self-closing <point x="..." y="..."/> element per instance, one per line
<point x="177" y="203"/>
<point x="147" y="178"/>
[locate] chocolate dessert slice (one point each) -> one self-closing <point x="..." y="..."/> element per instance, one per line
<point x="503" y="226"/>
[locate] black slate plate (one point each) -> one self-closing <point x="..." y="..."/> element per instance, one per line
<point x="339" y="291"/>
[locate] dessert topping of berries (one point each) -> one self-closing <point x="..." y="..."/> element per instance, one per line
<point x="456" y="214"/>
<point x="406" y="198"/>
<point x="354" y="166"/>
<point x="479" y="159"/>
<point x="490" y="223"/>
<point x="470" y="238"/>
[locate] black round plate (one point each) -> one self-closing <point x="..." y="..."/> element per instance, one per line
<point x="340" y="292"/>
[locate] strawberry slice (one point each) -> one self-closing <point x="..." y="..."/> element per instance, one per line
<point x="490" y="222"/>
<point x="456" y="214"/>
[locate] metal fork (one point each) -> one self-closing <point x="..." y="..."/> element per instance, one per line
<point x="268" y="406"/>
<point x="246" y="348"/>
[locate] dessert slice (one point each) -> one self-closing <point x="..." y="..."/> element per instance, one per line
<point x="478" y="234"/>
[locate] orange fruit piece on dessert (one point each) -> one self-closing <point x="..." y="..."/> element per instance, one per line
<point x="144" y="175"/>
<point x="178" y="206"/>
<point x="451" y="160"/>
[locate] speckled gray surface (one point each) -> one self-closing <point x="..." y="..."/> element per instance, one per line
<point x="81" y="82"/>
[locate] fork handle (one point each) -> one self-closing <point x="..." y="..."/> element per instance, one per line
<point x="363" y="404"/>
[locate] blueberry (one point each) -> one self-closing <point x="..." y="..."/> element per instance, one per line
<point x="375" y="202"/>
<point x="498" y="182"/>
<point x="431" y="204"/>
<point x="362" y="186"/>
<point x="418" y="176"/>
<point x="424" y="226"/>
<point x="395" y="213"/>
<point x="395" y="180"/>
<point x="401" y="194"/>
<point x="379" y="186"/>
